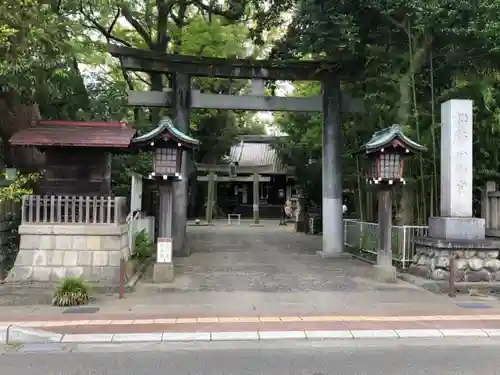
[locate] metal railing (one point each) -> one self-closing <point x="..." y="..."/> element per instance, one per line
<point x="363" y="236"/>
<point x="38" y="209"/>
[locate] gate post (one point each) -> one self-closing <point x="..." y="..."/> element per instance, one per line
<point x="181" y="121"/>
<point x="333" y="233"/>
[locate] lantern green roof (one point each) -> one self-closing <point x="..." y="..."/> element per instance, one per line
<point x="166" y="126"/>
<point x="384" y="137"/>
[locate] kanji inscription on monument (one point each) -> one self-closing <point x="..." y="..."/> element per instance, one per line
<point x="456" y="158"/>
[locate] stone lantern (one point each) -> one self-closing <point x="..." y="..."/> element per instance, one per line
<point x="386" y="151"/>
<point x="169" y="145"/>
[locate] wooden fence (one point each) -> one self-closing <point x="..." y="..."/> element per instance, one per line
<point x="38" y="209"/>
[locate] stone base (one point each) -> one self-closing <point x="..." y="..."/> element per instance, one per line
<point x="477" y="260"/>
<point x="53" y="252"/>
<point x="442" y="286"/>
<point x="457" y="228"/>
<point x="385" y="274"/>
<point x="326" y="255"/>
<point x="184" y="251"/>
<point x="163" y="272"/>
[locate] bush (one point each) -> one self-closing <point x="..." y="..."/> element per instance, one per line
<point x="10" y="196"/>
<point x="143" y="247"/>
<point x="21" y="186"/>
<point x="71" y="291"/>
<point x="10" y="247"/>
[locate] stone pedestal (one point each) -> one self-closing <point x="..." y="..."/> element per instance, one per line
<point x="456" y="232"/>
<point x="477" y="260"/>
<point x="50" y="252"/>
<point x="385" y="273"/>
<point x="457" y="228"/>
<point x="163" y="272"/>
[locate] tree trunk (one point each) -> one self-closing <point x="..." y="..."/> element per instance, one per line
<point x="12" y="119"/>
<point x="405" y="213"/>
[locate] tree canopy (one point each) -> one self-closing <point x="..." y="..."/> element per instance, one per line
<point x="54" y="54"/>
<point x="404" y="59"/>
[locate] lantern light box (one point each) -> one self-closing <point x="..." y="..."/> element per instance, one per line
<point x="386" y="151"/>
<point x="168" y="144"/>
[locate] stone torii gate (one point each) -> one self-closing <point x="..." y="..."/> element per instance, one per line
<point x="181" y="98"/>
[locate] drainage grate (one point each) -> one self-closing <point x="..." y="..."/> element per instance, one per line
<point x="473" y="305"/>
<point x="81" y="310"/>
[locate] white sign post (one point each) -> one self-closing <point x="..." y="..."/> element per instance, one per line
<point x="164" y="250"/>
<point x="456" y="158"/>
<point x="456" y="221"/>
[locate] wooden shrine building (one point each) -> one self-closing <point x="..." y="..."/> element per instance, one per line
<point x="73" y="226"/>
<point x="252" y="181"/>
<point x="77" y="154"/>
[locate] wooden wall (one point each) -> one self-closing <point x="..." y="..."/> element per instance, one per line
<point x="76" y="171"/>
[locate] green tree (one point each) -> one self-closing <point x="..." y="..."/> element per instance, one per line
<point x="179" y="27"/>
<point x="37" y="65"/>
<point x="405" y="58"/>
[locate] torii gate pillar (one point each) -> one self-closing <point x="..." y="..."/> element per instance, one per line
<point x="333" y="231"/>
<point x="182" y="88"/>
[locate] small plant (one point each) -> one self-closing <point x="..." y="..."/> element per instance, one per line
<point x="143" y="247"/>
<point x="21" y="186"/>
<point x="71" y="291"/>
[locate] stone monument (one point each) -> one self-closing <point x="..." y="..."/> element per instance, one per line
<point x="456" y="233"/>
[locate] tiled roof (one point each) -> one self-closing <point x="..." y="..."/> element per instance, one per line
<point x="166" y="126"/>
<point x="385" y="136"/>
<point x="255" y="151"/>
<point x="75" y="134"/>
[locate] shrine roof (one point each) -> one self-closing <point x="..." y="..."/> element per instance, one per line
<point x="166" y="127"/>
<point x="251" y="153"/>
<point x="257" y="151"/>
<point x="75" y="134"/>
<point x="385" y="136"/>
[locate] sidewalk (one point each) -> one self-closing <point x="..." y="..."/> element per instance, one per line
<point x="159" y="329"/>
<point x="119" y="324"/>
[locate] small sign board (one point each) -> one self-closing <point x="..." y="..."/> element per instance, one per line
<point x="164" y="250"/>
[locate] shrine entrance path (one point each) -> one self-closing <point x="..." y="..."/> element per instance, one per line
<point x="268" y="270"/>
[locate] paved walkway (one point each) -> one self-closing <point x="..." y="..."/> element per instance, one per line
<point x="252" y="271"/>
<point x="270" y="270"/>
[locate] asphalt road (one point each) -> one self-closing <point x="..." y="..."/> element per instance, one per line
<point x="363" y="357"/>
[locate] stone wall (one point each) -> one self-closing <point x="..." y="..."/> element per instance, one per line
<point x="49" y="252"/>
<point x="476" y="261"/>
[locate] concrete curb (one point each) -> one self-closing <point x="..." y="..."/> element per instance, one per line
<point x="18" y="335"/>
